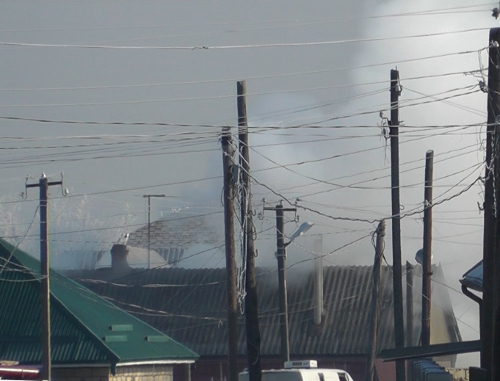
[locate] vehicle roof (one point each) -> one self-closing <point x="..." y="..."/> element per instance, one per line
<point x="306" y="370"/>
<point x="303" y="370"/>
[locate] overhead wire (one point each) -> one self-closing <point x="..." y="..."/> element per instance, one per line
<point x="233" y="47"/>
<point x="371" y="171"/>
<point x="211" y="97"/>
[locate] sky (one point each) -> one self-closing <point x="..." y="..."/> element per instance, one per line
<point x="129" y="98"/>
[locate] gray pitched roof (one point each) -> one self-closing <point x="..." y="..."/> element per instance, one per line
<point x="171" y="236"/>
<point x="85" y="327"/>
<point x="190" y="306"/>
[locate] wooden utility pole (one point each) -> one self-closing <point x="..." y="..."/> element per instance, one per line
<point x="283" y="299"/>
<point x="251" y="300"/>
<point x="281" y="254"/>
<point x="399" y="333"/>
<point x="495" y="308"/>
<point x="427" y="251"/>
<point x="45" y="282"/>
<point x="43" y="185"/>
<point x="232" y="311"/>
<point x="377" y="266"/>
<point x="409" y="304"/>
<point x="490" y="219"/>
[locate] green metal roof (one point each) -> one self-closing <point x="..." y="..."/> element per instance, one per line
<point x="85" y="327"/>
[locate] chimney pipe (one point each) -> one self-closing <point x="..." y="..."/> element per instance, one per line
<point x="318" y="281"/>
<point x="119" y="254"/>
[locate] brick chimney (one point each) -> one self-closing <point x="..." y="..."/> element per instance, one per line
<point x="119" y="254"/>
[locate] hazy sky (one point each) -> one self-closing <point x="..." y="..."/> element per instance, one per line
<point x="128" y="98"/>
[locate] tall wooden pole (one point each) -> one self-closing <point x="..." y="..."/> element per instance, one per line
<point x="495" y="110"/>
<point x="251" y="301"/>
<point x="282" y="292"/>
<point x="149" y="233"/>
<point x="45" y="282"/>
<point x="377" y="266"/>
<point x="409" y="304"/>
<point x="232" y="311"/>
<point x="490" y="220"/>
<point x="280" y="225"/>
<point x="399" y="333"/>
<point x="427" y="251"/>
<point x="43" y="185"/>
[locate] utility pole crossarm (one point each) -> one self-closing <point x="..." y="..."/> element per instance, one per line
<point x="284" y="209"/>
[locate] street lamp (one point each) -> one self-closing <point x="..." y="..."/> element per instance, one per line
<point x="281" y="256"/>
<point x="303" y="228"/>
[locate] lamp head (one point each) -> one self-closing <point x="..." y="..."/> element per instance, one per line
<point x="419" y="257"/>
<point x="305" y="226"/>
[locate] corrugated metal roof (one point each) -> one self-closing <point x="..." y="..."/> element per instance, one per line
<point x="190" y="306"/>
<point x="82" y="322"/>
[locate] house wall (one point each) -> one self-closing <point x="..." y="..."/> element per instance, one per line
<point x="143" y="373"/>
<point x="123" y="373"/>
<point x="79" y="374"/>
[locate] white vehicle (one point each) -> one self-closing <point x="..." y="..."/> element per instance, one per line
<point x="301" y="371"/>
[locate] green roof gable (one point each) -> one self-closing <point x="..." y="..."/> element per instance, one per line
<point x="85" y="327"/>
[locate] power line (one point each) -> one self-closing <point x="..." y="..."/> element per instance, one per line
<point x="231" y="47"/>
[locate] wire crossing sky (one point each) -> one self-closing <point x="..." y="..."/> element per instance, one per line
<point x="128" y="99"/>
